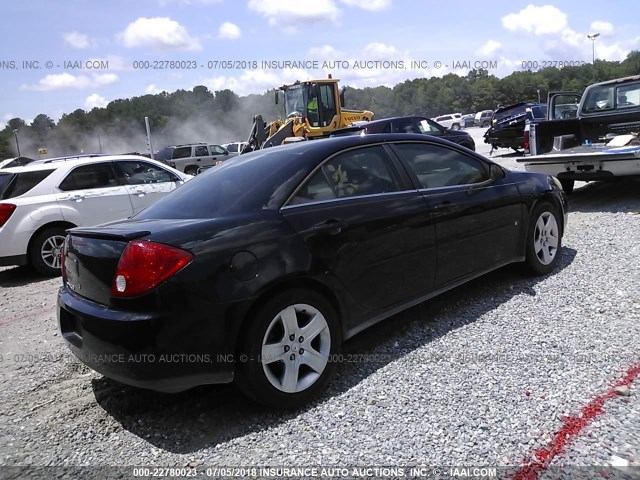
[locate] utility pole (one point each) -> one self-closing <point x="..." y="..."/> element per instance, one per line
<point x="15" y="134"/>
<point x="593" y="37"/>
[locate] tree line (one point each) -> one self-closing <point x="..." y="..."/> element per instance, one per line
<point x="223" y="116"/>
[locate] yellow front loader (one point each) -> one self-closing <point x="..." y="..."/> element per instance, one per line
<point x="312" y="109"/>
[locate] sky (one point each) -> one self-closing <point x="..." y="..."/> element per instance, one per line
<point x="58" y="56"/>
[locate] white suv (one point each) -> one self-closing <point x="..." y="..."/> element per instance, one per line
<point x="190" y="158"/>
<point x="453" y="121"/>
<point x="38" y="202"/>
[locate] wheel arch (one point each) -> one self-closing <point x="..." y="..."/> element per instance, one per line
<point x="56" y="224"/>
<point x="293" y="283"/>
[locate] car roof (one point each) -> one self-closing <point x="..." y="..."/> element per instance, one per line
<point x="631" y="78"/>
<point x="308" y="151"/>
<point x="71" y="163"/>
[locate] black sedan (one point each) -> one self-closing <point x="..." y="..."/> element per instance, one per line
<point x="410" y="124"/>
<point x="257" y="271"/>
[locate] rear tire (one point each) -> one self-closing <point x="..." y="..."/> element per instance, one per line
<point x="544" y="240"/>
<point x="485" y="124"/>
<point x="287" y="356"/>
<point x="191" y="170"/>
<point x="567" y="186"/>
<point x="44" y="252"/>
<point x="455" y="126"/>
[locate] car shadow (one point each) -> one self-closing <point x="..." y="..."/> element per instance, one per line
<point x="209" y="415"/>
<point x="617" y="196"/>
<point x="20" y="276"/>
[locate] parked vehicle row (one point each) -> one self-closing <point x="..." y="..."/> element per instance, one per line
<point x="38" y="202"/>
<point x="256" y="271"/>
<point x="190" y="157"/>
<point x="409" y="124"/>
<point x="590" y="136"/>
<point x="508" y="123"/>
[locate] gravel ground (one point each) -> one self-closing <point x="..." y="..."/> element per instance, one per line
<point x="482" y="375"/>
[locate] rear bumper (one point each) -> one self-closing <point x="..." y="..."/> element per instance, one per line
<point x="158" y="351"/>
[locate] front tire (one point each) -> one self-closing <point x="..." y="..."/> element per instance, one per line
<point x="544" y="240"/>
<point x="44" y="252"/>
<point x="287" y="356"/>
<point x="455" y="126"/>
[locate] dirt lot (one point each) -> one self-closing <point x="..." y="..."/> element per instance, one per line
<point x="487" y="374"/>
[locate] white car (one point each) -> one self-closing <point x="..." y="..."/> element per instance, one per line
<point x="234" y="148"/>
<point x="453" y="121"/>
<point x="39" y="202"/>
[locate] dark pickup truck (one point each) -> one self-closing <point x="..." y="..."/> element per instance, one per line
<point x="589" y="136"/>
<point x="508" y="124"/>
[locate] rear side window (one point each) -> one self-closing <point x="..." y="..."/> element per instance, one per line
<point x="182" y="152"/>
<point x="98" y="175"/>
<point x="5" y="179"/>
<point x="438" y="166"/>
<point x="23" y="182"/>
<point x="365" y="171"/>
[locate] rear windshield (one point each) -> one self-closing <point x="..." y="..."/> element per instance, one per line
<point x="509" y="112"/>
<point x="251" y="182"/>
<point x="22" y="183"/>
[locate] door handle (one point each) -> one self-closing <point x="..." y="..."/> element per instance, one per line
<point x="140" y="193"/>
<point x="76" y="198"/>
<point x="442" y="205"/>
<point x="330" y="227"/>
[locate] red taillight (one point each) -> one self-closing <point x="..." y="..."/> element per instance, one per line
<point x="144" y="265"/>
<point x="525" y="141"/>
<point x="6" y="210"/>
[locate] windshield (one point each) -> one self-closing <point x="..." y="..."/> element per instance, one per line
<point x="295" y="100"/>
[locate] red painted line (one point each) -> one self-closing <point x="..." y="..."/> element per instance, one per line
<point x="28" y="317"/>
<point x="571" y="428"/>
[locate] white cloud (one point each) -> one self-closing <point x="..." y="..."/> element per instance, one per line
<point x="229" y="31"/>
<point x="292" y="15"/>
<point x="325" y="52"/>
<point x="160" y="33"/>
<point x="371" y="5"/>
<point x="489" y="48"/>
<point x="76" y="40"/>
<point x="66" y="80"/>
<point x="95" y="101"/>
<point x="153" y="90"/>
<point x="603" y="28"/>
<point x="536" y="20"/>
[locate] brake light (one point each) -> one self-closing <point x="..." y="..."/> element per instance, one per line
<point x="6" y="210"/>
<point x="144" y="265"/>
<point x="63" y="258"/>
<point x="525" y="141"/>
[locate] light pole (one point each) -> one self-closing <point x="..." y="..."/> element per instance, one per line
<point x="593" y="37"/>
<point x="15" y="135"/>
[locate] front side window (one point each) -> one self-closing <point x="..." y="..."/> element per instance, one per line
<point x="427" y="126"/>
<point x="439" y="166"/>
<point x="217" y="150"/>
<point x="232" y="148"/>
<point x="365" y="171"/>
<point x="98" y="175"/>
<point x="137" y="173"/>
<point x="202" y="151"/>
